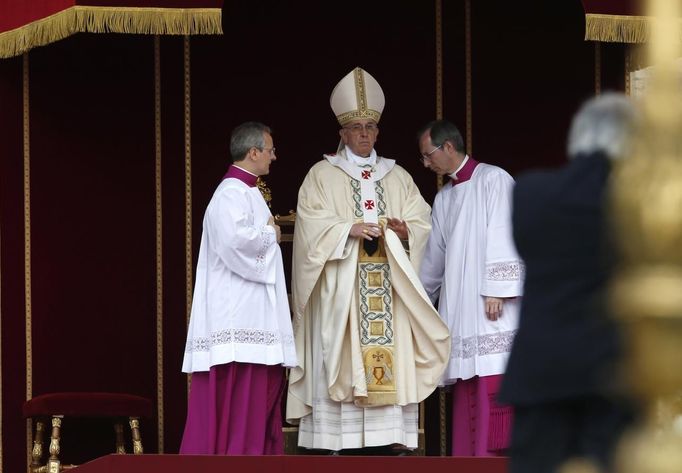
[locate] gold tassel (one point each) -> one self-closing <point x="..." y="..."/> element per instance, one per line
<point x="617" y="28"/>
<point x="129" y="20"/>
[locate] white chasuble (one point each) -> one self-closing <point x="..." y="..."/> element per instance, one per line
<point x="337" y="345"/>
<point x="470" y="255"/>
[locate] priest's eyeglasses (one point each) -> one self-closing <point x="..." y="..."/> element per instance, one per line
<point x="358" y="128"/>
<point x="269" y="150"/>
<point x="426" y="156"/>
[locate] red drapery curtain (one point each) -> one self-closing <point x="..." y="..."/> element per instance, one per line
<point x="613" y="7"/>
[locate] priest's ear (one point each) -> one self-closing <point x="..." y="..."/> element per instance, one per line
<point x="450" y="149"/>
<point x="252" y="153"/>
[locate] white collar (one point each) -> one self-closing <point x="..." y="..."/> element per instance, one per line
<point x="454" y="174"/>
<point x="360" y="161"/>
<point x="241" y="168"/>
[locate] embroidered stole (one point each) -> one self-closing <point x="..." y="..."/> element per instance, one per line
<point x="375" y="292"/>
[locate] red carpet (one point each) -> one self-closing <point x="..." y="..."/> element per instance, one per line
<point x="289" y="464"/>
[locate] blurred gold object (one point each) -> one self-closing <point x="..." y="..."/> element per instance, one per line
<point x="647" y="291"/>
<point x="286" y="219"/>
<point x="287" y="223"/>
<point x="579" y="465"/>
<point x="264" y="190"/>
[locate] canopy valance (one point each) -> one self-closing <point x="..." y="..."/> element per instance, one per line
<point x="27" y="24"/>
<point x="617" y="21"/>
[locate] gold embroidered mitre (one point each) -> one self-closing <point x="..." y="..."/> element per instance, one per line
<point x="357" y="96"/>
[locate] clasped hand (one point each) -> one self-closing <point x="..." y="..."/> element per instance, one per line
<point x="370" y="231"/>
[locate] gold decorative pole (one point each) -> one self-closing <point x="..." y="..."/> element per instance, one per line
<point x="189" y="275"/>
<point x="159" y="240"/>
<point x="439" y="71"/>
<point x="647" y="291"/>
<point x="597" y="68"/>
<point x="26" y="116"/>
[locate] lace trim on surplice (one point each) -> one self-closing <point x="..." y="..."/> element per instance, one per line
<point x="265" y="237"/>
<point x="505" y="271"/>
<point x="247" y="336"/>
<point x="480" y="345"/>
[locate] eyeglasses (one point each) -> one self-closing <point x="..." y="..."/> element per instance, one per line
<point x="269" y="150"/>
<point x="357" y="128"/>
<point x="426" y="156"/>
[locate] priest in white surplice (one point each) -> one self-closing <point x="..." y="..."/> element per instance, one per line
<point x="472" y="268"/>
<point x="370" y="345"/>
<point x="240" y="336"/>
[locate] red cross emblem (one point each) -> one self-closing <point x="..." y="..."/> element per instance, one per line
<point x="369" y="204"/>
<point x="366" y="174"/>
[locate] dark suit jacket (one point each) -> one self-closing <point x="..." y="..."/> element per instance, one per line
<point x="566" y="345"/>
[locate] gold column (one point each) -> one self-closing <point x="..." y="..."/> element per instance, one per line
<point x="159" y="241"/>
<point x="646" y="293"/>
<point x="628" y="69"/>
<point x="442" y="426"/>
<point x="597" y="68"/>
<point x="1" y="468"/>
<point x="188" y="187"/>
<point x="439" y="71"/>
<point x="467" y="45"/>
<point x="439" y="59"/>
<point x="188" y="179"/>
<point x="27" y="246"/>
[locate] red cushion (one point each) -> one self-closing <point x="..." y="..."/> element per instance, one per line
<point x="83" y="404"/>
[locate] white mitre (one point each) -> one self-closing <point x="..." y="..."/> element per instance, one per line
<point x="357" y="96"/>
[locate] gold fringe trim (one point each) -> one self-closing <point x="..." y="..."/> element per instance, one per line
<point x="130" y="20"/>
<point x="617" y="28"/>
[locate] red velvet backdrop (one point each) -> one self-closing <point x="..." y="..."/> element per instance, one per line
<point x="614" y="7"/>
<point x="174" y="287"/>
<point x="279" y="66"/>
<point x="92" y="161"/>
<point x="531" y="69"/>
<point x="12" y="265"/>
<point x="16" y="13"/>
<point x="93" y="218"/>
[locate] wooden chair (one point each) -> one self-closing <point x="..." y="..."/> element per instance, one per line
<point x="56" y="406"/>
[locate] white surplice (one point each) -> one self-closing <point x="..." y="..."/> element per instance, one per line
<point x="240" y="309"/>
<point x="330" y="376"/>
<point x="471" y="254"/>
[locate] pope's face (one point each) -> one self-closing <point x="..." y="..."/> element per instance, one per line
<point x="360" y="136"/>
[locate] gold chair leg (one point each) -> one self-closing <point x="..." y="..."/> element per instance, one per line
<point x="53" y="464"/>
<point x="137" y="439"/>
<point x="37" y="452"/>
<point x="120" y="443"/>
